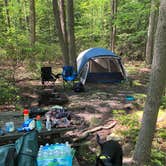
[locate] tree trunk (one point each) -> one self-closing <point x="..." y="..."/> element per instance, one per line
<point x="71" y="37"/>
<point x="63" y="45"/>
<point x="26" y="18"/>
<point x="113" y="26"/>
<point x="155" y="91"/>
<point x="32" y="22"/>
<point x="7" y="13"/>
<point x="151" y="33"/>
<point x="63" y="19"/>
<point x="20" y="18"/>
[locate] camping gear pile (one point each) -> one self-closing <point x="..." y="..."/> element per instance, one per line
<point x="59" y="116"/>
<point x="56" y="116"/>
<point x="37" y="118"/>
<point x="78" y="87"/>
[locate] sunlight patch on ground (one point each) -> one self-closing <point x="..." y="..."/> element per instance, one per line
<point x="137" y="83"/>
<point x="139" y="114"/>
<point x="140" y="95"/>
<point x="88" y="117"/>
<point x="161" y="116"/>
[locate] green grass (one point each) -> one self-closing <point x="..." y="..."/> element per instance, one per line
<point x="130" y="129"/>
<point x="84" y="154"/>
<point x="158" y="158"/>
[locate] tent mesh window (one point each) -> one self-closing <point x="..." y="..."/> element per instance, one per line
<point x="104" y="70"/>
<point x="100" y="65"/>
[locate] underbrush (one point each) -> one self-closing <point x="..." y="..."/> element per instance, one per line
<point x="85" y="156"/>
<point x="130" y="125"/>
<point x="158" y="157"/>
<point x="129" y="130"/>
<point x="163" y="102"/>
<point x="9" y="93"/>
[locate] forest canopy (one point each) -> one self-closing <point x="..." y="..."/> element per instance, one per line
<point x="92" y="26"/>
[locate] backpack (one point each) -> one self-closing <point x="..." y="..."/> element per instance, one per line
<point x="27" y="149"/>
<point x="7" y="155"/>
<point x="22" y="153"/>
<point x="78" y="87"/>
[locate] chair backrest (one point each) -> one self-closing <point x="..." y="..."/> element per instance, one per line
<point x="46" y="72"/>
<point x="68" y="71"/>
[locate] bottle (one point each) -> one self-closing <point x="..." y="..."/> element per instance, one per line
<point x="40" y="158"/>
<point x="38" y="123"/>
<point x="26" y="114"/>
<point x="9" y="127"/>
<point x="48" y="123"/>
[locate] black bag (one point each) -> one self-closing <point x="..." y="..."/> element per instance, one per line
<point x="7" y="155"/>
<point x="79" y="87"/>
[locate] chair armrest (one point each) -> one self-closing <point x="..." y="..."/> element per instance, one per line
<point x="56" y="76"/>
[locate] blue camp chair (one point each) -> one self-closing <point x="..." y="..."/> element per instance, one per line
<point x="68" y="75"/>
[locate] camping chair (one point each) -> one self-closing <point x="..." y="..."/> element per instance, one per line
<point x="68" y="75"/>
<point x="47" y="75"/>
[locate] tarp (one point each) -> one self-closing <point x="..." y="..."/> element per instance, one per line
<point x="101" y="65"/>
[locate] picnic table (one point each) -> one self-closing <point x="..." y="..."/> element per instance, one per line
<point x="18" y="119"/>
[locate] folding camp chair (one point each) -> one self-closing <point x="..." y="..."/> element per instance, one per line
<point x="47" y="75"/>
<point x="68" y="75"/>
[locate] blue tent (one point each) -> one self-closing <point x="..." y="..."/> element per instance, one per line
<point x="100" y="65"/>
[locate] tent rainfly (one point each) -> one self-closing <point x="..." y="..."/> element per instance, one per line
<point x="100" y="65"/>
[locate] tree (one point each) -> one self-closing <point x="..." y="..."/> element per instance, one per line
<point x="7" y="13"/>
<point x="26" y="17"/>
<point x="155" y="91"/>
<point x="91" y="26"/>
<point x="113" y="26"/>
<point x="62" y="15"/>
<point x="32" y="22"/>
<point x="65" y="31"/>
<point x="71" y="37"/>
<point x="151" y="33"/>
<point x="63" y="43"/>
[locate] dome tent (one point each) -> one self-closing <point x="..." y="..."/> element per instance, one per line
<point x="100" y="65"/>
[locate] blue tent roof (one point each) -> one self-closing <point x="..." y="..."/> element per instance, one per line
<point x="84" y="56"/>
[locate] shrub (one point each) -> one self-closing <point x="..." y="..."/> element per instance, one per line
<point x="158" y="158"/>
<point x="130" y="120"/>
<point x="163" y="102"/>
<point x="9" y="93"/>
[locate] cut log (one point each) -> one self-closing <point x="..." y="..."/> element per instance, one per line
<point x="88" y="132"/>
